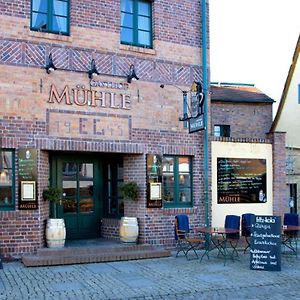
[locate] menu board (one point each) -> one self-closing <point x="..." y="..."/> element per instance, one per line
<point x="265" y="248"/>
<point x="241" y="180"/>
<point x="27" y="159"/>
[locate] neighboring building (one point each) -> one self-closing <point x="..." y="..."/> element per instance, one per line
<point x="240" y="111"/>
<point x="287" y="120"/>
<point x="89" y="134"/>
<point x="246" y="160"/>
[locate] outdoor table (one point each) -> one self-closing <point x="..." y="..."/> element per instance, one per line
<point x="290" y="237"/>
<point x="218" y="238"/>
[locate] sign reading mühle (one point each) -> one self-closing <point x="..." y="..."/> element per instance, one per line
<point x="27" y="179"/>
<point x="265" y="252"/>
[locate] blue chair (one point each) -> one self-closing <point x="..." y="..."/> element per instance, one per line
<point x="290" y="219"/>
<point x="184" y="242"/>
<point x="233" y="222"/>
<point x="290" y="237"/>
<point x="246" y="228"/>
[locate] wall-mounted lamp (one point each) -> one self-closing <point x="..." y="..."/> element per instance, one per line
<point x="132" y="75"/>
<point x="50" y="65"/>
<point x="93" y="70"/>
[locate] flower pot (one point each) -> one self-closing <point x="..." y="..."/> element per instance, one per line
<point x="55" y="233"/>
<point x="129" y="230"/>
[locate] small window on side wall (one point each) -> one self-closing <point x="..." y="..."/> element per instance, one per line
<point x="298" y="93"/>
<point x="222" y="130"/>
<point x="50" y="16"/>
<point x="7" y="180"/>
<point x="136" y="23"/>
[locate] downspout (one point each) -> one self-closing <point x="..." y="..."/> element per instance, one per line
<point x="205" y="105"/>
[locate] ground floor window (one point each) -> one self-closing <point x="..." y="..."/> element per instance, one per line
<point x="7" y="182"/>
<point x="177" y="181"/>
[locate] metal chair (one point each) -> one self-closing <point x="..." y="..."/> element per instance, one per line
<point x="184" y="242"/>
<point x="246" y="228"/>
<point x="233" y="222"/>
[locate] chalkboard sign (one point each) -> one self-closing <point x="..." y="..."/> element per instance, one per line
<point x="241" y="180"/>
<point x="265" y="252"/>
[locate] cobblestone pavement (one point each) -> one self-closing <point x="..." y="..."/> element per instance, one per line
<point x="164" y="278"/>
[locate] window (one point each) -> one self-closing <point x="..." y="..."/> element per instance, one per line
<point x="222" y="130"/>
<point x="7" y="181"/>
<point x="114" y="205"/>
<point x="50" y="16"/>
<point x="136" y="23"/>
<point x="299" y="93"/>
<point x="177" y="181"/>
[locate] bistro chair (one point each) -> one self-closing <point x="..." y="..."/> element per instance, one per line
<point x="290" y="237"/>
<point x="184" y="242"/>
<point x="246" y="229"/>
<point x="233" y="222"/>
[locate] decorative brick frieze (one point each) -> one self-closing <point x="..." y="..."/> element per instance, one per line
<point x="74" y="59"/>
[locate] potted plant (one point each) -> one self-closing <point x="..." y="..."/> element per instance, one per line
<point x="130" y="191"/>
<point x="129" y="229"/>
<point x="55" y="228"/>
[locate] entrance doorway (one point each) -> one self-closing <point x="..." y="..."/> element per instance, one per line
<point x="80" y="180"/>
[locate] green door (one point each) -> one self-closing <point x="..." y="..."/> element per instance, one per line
<point x="81" y="209"/>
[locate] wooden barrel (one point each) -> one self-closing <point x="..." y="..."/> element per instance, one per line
<point x="129" y="230"/>
<point x="55" y="233"/>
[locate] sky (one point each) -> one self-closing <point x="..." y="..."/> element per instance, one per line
<point x="253" y="41"/>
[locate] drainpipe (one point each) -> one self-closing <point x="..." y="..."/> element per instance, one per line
<point x="205" y="105"/>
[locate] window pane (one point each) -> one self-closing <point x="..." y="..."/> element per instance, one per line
<point x="217" y="130"/>
<point x="185" y="195"/>
<point x="127" y="6"/>
<point x="120" y="172"/>
<point x="5" y="195"/>
<point x="40" y="5"/>
<point x="168" y="180"/>
<point x="184" y="180"/>
<point x="168" y="164"/>
<point x="144" y="23"/>
<point x="69" y="206"/>
<point x="168" y="195"/>
<point x="59" y="24"/>
<point x="86" y="188"/>
<point x="6" y="159"/>
<point x="127" y="35"/>
<point x="86" y="205"/>
<point x="144" y="8"/>
<point x="184" y="165"/>
<point x="86" y="171"/>
<point x="60" y="8"/>
<point x="69" y="188"/>
<point x="38" y="20"/>
<point x="144" y="38"/>
<point x="126" y="20"/>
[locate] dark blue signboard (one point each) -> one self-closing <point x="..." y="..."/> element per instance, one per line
<point x="265" y="252"/>
<point x="196" y="124"/>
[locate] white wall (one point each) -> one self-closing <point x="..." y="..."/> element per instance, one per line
<point x="240" y="150"/>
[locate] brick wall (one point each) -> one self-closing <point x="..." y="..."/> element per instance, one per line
<point x="251" y="120"/>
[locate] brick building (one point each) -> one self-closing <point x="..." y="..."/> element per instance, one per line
<point x="88" y="134"/>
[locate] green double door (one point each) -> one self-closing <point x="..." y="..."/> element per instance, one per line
<point x="80" y="179"/>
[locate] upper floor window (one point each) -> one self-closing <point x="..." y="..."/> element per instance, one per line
<point x="222" y="130"/>
<point x="177" y="181"/>
<point x="7" y="182"/>
<point x="50" y="16"/>
<point x="136" y="23"/>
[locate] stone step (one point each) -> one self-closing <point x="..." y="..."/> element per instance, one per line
<point x="79" y="255"/>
